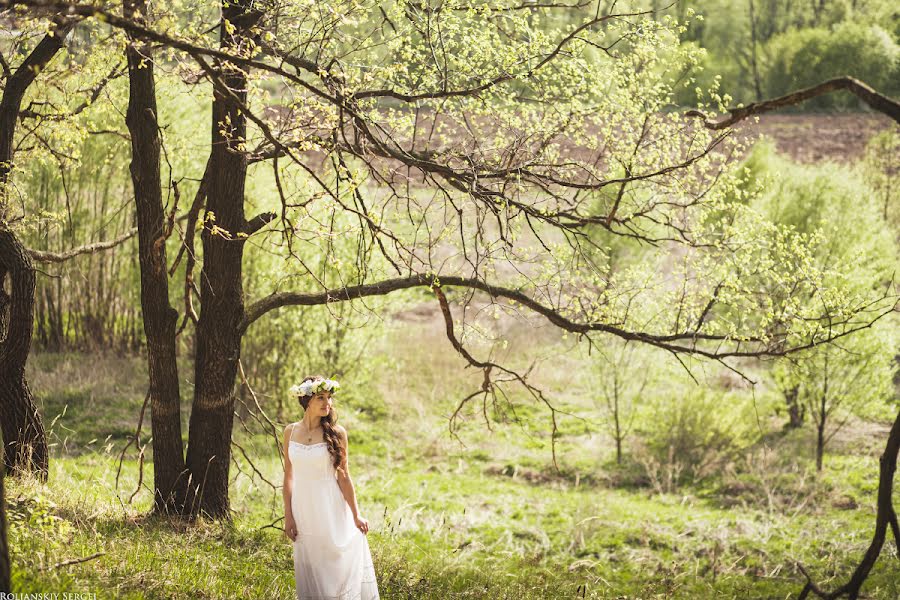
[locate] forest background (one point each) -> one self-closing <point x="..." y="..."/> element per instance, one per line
<point x="621" y="469"/>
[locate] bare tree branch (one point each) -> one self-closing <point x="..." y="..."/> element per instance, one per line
<point x="487" y="385"/>
<point x="58" y="257"/>
<point x="874" y="99"/>
<point x="667" y="342"/>
<point x="45" y="256"/>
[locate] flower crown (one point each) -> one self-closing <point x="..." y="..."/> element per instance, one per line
<point x="310" y="388"/>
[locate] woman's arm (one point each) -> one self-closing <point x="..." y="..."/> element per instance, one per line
<point x="290" y="526"/>
<point x="346" y="483"/>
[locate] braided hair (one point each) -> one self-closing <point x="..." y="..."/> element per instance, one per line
<point x="328" y="422"/>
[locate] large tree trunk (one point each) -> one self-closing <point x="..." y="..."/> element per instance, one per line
<point x="170" y="478"/>
<point x="24" y="440"/>
<point x="221" y="290"/>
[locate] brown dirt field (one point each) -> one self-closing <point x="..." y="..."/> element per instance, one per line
<point x="812" y="138"/>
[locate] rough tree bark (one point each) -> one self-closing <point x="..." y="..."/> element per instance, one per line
<point x="170" y="480"/>
<point x="5" y="566"/>
<point x="221" y="288"/>
<point x="24" y="439"/>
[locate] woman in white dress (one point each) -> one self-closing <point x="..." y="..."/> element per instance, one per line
<point x="332" y="560"/>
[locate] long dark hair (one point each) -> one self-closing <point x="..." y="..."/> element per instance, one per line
<point x="328" y="431"/>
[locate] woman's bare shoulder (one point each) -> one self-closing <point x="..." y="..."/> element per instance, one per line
<point x="287" y="430"/>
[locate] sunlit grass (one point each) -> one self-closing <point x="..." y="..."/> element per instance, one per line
<point x="487" y="519"/>
<point x="433" y="534"/>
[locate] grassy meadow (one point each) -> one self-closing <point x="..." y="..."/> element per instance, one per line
<point x="483" y="516"/>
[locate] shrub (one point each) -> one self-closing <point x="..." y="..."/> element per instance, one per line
<point x="692" y="436"/>
<point x="881" y="169"/>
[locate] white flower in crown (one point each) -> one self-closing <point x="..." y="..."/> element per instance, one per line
<point x="308" y="388"/>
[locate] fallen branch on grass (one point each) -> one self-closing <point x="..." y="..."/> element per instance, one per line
<point x="74" y="561"/>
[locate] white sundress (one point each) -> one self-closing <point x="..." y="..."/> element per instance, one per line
<point x="332" y="560"/>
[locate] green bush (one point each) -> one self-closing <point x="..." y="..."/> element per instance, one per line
<point x="802" y="58"/>
<point x="694" y="435"/>
<point x="881" y="169"/>
<point x="858" y="246"/>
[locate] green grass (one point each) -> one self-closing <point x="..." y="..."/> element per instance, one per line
<point x="455" y="534"/>
<point x="490" y="519"/>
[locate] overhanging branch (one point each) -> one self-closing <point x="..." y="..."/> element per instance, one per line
<point x="876" y="100"/>
<point x="671" y="342"/>
<point x="58" y="257"/>
<point x="488" y="385"/>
